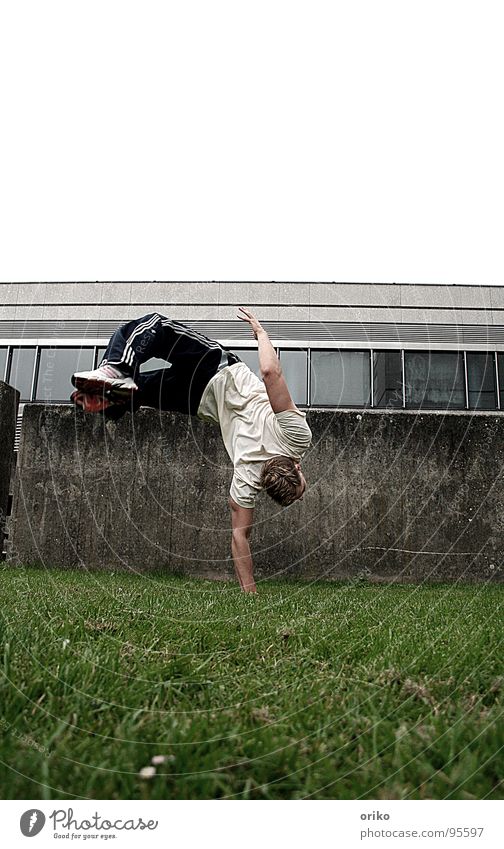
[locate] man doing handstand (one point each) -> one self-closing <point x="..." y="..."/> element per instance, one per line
<point x="263" y="431"/>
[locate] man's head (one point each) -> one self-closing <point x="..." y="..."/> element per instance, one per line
<point x="283" y="480"/>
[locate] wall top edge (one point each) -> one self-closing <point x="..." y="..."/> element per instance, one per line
<point x="358" y="413"/>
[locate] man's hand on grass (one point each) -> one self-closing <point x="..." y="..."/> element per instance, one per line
<point x="254" y="322"/>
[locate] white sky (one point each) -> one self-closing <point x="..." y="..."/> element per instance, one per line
<point x="267" y="140"/>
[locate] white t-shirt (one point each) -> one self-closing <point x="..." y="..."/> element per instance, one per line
<point x="237" y="400"/>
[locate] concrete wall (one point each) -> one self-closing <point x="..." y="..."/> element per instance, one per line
<point x="396" y="495"/>
<point x="9" y="401"/>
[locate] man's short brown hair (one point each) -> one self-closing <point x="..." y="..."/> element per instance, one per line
<point x="281" y="479"/>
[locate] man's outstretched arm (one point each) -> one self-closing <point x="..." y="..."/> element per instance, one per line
<point x="241" y="527"/>
<point x="271" y="370"/>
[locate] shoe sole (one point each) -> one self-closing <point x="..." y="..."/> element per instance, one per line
<point x="95" y="386"/>
<point x="110" y="399"/>
<point x="86" y="409"/>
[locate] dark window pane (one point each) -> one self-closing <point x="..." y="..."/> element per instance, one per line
<point x="250" y="357"/>
<point x="481" y="381"/>
<point x="295" y="369"/>
<point x="340" y="378"/>
<point x="3" y="362"/>
<point x="56" y="366"/>
<point x="434" y="380"/>
<point x="387" y="379"/>
<point x="21" y="371"/>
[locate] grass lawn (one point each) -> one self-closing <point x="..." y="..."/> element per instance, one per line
<point x="305" y="691"/>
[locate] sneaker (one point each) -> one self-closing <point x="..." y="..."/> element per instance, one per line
<point x="105" y="377"/>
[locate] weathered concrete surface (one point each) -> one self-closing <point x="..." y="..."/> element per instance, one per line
<point x="9" y="402"/>
<point x="403" y="495"/>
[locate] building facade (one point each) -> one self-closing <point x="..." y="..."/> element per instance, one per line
<point x="388" y="346"/>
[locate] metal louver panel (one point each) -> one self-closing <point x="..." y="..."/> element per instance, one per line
<point x="317" y="331"/>
<point x="19" y="422"/>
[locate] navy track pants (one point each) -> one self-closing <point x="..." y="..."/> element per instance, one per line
<point x="193" y="359"/>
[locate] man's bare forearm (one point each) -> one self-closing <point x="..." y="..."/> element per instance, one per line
<point x="268" y="360"/>
<point x="243" y="562"/>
